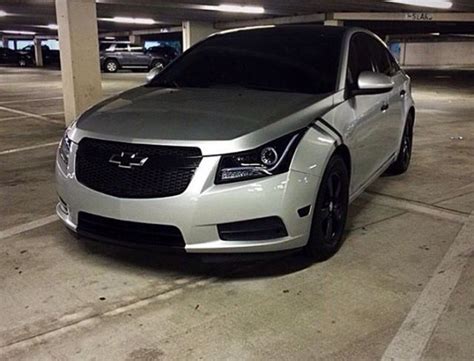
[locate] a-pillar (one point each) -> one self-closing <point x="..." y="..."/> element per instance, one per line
<point x="38" y="52"/>
<point x="80" y="67"/>
<point x="195" y="31"/>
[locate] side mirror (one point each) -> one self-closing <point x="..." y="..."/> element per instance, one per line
<point x="373" y="83"/>
<point x="154" y="72"/>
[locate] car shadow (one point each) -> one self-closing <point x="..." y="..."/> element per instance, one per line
<point x="221" y="266"/>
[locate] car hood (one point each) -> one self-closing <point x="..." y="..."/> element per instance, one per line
<point x="217" y="120"/>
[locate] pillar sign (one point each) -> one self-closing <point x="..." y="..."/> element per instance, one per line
<point x="79" y="50"/>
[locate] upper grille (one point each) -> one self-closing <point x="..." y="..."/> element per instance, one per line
<point x="167" y="171"/>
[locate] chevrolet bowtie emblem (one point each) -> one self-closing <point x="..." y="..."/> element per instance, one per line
<point x="128" y="160"/>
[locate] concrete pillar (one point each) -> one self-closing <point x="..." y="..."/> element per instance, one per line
<point x="135" y="39"/>
<point x="195" y="31"/>
<point x="80" y="67"/>
<point x="38" y="52"/>
<point x="333" y="23"/>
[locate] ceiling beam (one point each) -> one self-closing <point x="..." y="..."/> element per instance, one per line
<point x="297" y="19"/>
<point x="367" y="16"/>
<point x="405" y="16"/>
<point x="166" y="30"/>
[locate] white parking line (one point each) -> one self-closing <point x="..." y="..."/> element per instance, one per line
<point x="32" y="115"/>
<point x="25" y="227"/>
<point x="415" y="206"/>
<point x="13" y="118"/>
<point x="415" y="332"/>
<point x="29" y="100"/>
<point x="16" y="150"/>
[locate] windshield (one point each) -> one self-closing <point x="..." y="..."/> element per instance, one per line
<point x="285" y="60"/>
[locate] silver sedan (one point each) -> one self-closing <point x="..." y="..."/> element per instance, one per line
<point x="254" y="140"/>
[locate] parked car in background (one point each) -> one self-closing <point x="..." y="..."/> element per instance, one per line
<point x="27" y="56"/>
<point x="126" y="56"/>
<point x="8" y="56"/>
<point x="164" y="52"/>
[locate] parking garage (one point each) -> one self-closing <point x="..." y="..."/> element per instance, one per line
<point x="399" y="288"/>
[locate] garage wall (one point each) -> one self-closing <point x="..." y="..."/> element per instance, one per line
<point x="437" y="53"/>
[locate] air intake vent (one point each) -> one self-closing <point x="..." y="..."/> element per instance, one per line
<point x="253" y="230"/>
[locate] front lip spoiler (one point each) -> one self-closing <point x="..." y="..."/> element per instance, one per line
<point x="203" y="257"/>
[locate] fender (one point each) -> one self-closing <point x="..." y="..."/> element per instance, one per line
<point x="316" y="148"/>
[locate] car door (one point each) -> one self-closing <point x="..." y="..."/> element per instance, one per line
<point x="392" y="122"/>
<point x="138" y="57"/>
<point x="3" y="55"/>
<point x="120" y="52"/>
<point x="368" y="115"/>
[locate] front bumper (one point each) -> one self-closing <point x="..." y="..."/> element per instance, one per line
<point x="203" y="206"/>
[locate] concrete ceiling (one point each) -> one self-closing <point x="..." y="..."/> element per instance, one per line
<point x="30" y="15"/>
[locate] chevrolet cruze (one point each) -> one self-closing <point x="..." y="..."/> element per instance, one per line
<point x="254" y="140"/>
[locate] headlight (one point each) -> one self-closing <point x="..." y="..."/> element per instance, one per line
<point x="269" y="159"/>
<point x="65" y="149"/>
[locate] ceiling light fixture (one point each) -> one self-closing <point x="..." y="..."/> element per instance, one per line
<point x="436" y="4"/>
<point x="125" y="20"/>
<point x="53" y="26"/>
<point x="229" y="8"/>
<point x="18" y="32"/>
<point x="3" y="13"/>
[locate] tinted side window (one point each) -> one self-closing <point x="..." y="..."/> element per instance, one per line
<point x="359" y="58"/>
<point x="380" y="57"/>
<point x="393" y="63"/>
<point x="121" y="47"/>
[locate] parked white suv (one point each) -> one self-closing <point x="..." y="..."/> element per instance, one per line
<point x="255" y="140"/>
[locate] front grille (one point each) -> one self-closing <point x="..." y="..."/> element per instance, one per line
<point x="253" y="230"/>
<point x="167" y="171"/>
<point x="129" y="233"/>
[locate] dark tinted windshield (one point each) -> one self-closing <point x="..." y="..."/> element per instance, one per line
<point x="303" y="60"/>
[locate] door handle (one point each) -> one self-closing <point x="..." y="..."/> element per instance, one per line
<point x="385" y="107"/>
<point x="403" y="93"/>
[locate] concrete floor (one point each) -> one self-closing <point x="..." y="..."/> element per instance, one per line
<point x="401" y="285"/>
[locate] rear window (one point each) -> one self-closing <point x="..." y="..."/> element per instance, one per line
<point x="273" y="60"/>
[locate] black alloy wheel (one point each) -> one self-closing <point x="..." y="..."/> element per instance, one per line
<point x="330" y="211"/>
<point x="402" y="163"/>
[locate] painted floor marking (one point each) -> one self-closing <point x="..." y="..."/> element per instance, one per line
<point x="417" y="207"/>
<point x="32" y="115"/>
<point x="30" y="100"/>
<point x="415" y="332"/>
<point x="17" y="150"/>
<point x="25" y="227"/>
<point x="13" y="118"/>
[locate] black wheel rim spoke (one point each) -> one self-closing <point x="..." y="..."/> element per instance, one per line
<point x="332" y="211"/>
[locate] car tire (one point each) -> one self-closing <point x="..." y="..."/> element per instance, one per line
<point x="330" y="211"/>
<point x="111" y="66"/>
<point x="402" y="163"/>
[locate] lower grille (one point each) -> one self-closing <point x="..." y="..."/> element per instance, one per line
<point x="129" y="233"/>
<point x="112" y="168"/>
<point x="253" y="230"/>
